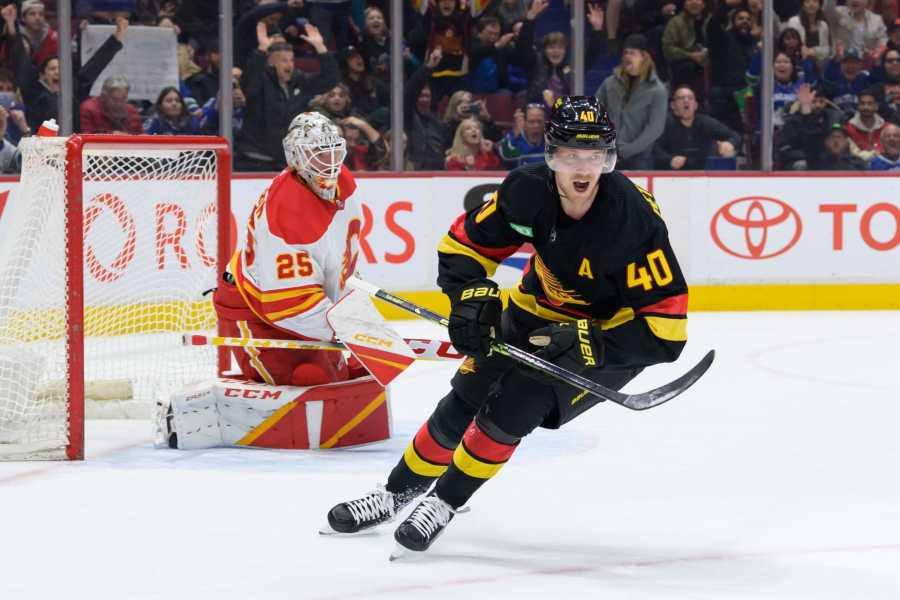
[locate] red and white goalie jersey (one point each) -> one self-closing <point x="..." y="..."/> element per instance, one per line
<point x="294" y="264"/>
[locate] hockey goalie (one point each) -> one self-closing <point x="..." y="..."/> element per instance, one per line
<point x="288" y="280"/>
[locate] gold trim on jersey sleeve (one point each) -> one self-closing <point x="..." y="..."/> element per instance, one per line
<point x="450" y="246"/>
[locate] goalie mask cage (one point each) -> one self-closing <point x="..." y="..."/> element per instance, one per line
<point x="109" y="248"/>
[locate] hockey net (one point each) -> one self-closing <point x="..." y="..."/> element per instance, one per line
<point x="109" y="246"/>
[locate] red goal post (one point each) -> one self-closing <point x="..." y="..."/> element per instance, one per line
<point x="108" y="265"/>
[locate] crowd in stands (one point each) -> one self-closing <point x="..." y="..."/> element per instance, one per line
<point x="681" y="79"/>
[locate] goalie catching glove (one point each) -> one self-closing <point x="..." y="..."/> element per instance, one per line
<point x="475" y="311"/>
<point x="576" y="347"/>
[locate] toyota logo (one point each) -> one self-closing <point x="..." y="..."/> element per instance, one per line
<point x="756" y="227"/>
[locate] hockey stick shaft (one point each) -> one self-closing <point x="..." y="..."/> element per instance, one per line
<point x="425" y="349"/>
<point x="643" y="401"/>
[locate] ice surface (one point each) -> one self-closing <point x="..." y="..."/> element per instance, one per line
<point x="776" y="477"/>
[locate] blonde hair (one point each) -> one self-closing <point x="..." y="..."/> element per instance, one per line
<point x="630" y="82"/>
<point x="452" y="104"/>
<point x="459" y="148"/>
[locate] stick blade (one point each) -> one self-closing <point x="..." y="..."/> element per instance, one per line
<point x="369" y="338"/>
<point x="672" y="389"/>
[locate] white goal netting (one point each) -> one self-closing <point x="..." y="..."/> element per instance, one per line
<point x="149" y="222"/>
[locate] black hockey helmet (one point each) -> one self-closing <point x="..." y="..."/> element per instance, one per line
<point x="580" y="122"/>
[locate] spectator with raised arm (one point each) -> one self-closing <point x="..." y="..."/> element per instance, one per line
<point x="246" y="36"/>
<point x="490" y="54"/>
<point x="815" y="36"/>
<point x="889" y="157"/>
<point x="635" y="99"/>
<point x="549" y="74"/>
<point x="425" y="131"/>
<point x="110" y="112"/>
<point x="804" y="131"/>
<point x="856" y="26"/>
<point x="14" y="54"/>
<point x="691" y="137"/>
<point x="171" y="116"/>
<point x="524" y="143"/>
<point x="684" y="45"/>
<point x="447" y="24"/>
<point x="332" y="18"/>
<point x="470" y="150"/>
<point x="277" y="92"/>
<point x="43" y="40"/>
<point x="731" y="42"/>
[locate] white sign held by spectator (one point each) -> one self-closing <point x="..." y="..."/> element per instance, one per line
<point x="149" y="59"/>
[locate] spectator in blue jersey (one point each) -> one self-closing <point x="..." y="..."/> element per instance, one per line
<point x="845" y="78"/>
<point x="171" y="116"/>
<point x="889" y="157"/>
<point x="524" y="144"/>
<point x="488" y="56"/>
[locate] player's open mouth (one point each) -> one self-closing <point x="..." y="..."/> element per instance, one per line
<point x="581" y="186"/>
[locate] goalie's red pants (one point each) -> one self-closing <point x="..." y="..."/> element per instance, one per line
<point x="271" y="365"/>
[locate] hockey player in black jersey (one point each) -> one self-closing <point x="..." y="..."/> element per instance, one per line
<point x="602" y="296"/>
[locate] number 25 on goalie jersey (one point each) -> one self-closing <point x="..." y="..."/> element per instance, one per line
<point x="614" y="265"/>
<point x="298" y="252"/>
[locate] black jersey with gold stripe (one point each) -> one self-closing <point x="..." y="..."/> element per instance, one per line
<point x="614" y="265"/>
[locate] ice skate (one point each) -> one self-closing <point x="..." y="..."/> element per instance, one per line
<point x="426" y="522"/>
<point x="376" y="507"/>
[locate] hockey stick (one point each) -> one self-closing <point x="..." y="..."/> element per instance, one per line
<point x="425" y="349"/>
<point x="643" y="401"/>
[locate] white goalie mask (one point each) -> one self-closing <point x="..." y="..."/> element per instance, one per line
<point x="314" y="148"/>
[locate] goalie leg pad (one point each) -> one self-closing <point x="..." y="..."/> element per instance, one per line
<point x="228" y="412"/>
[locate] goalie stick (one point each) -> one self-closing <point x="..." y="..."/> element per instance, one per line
<point x="643" y="401"/>
<point x="425" y="349"/>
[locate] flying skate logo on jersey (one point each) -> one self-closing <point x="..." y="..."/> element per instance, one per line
<point x="553" y="289"/>
<point x="756" y="227"/>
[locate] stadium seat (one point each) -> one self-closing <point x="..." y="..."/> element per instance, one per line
<point x="500" y="105"/>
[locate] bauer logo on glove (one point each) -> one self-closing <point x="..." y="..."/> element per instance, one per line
<point x="576" y="346"/>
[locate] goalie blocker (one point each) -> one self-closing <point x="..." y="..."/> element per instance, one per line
<point x="237" y="413"/>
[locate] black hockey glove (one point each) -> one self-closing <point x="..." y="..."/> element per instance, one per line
<point x="475" y="311"/>
<point x="576" y="347"/>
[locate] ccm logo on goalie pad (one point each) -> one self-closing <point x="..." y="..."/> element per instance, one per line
<point x="584" y="343"/>
<point x="480" y="292"/>
<point x="252" y="394"/>
<point x="372" y="340"/>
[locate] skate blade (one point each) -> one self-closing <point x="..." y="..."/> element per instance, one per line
<point x="399" y="552"/>
<point x="328" y="531"/>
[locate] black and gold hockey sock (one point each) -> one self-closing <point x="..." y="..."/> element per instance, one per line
<point x="424" y="460"/>
<point x="483" y="451"/>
